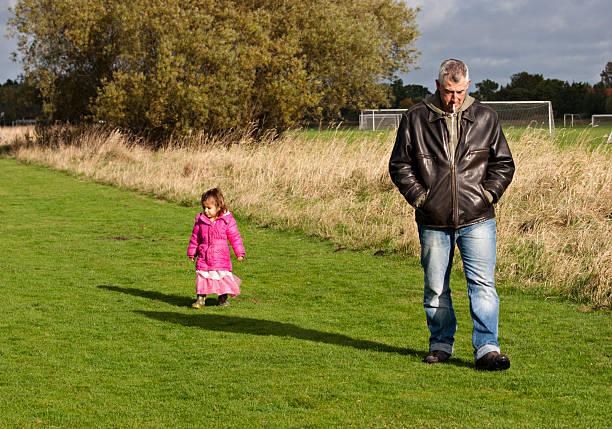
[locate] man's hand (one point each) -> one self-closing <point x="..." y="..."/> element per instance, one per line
<point x="418" y="203"/>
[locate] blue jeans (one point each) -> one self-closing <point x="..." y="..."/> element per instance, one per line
<point x="477" y="245"/>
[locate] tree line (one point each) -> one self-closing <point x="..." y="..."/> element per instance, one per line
<point x="576" y="97"/>
<point x="22" y="100"/>
<point x="19" y="100"/>
<point x="182" y="66"/>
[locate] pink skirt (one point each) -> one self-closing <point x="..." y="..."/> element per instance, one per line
<point x="219" y="282"/>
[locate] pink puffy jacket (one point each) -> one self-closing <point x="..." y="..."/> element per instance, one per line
<point x="209" y="242"/>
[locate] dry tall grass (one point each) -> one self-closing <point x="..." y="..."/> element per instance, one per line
<point x="554" y="222"/>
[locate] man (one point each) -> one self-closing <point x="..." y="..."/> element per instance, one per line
<point x="452" y="163"/>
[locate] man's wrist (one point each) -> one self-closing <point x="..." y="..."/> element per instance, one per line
<point x="418" y="203"/>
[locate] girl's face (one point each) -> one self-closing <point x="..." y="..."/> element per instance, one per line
<point x="211" y="210"/>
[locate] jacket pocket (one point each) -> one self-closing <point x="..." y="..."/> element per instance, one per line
<point x="426" y="170"/>
<point x="437" y="207"/>
<point x="483" y="196"/>
<point x="426" y="156"/>
<point x="201" y="251"/>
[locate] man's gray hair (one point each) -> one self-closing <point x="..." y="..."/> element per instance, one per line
<point x="456" y="70"/>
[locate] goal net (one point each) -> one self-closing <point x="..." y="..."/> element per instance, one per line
<point x="534" y="114"/>
<point x="380" y="119"/>
<point x="601" y="120"/>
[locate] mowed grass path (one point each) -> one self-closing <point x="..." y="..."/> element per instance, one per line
<point x="96" y="329"/>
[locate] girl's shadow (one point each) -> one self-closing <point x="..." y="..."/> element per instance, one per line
<point x="178" y="300"/>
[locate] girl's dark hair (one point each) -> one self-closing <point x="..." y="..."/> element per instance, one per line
<point x="216" y="195"/>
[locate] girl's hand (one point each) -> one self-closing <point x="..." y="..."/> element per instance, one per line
<point x="192" y="258"/>
<point x="240" y="258"/>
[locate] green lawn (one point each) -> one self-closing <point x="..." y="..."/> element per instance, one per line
<point x="563" y="136"/>
<point x="96" y="330"/>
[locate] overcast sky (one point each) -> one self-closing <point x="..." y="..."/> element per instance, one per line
<point x="8" y="69"/>
<point x="566" y="39"/>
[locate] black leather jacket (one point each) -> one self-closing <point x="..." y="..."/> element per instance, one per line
<point x="421" y="164"/>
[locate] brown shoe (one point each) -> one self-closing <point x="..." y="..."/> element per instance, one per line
<point x="493" y="361"/>
<point x="223" y="302"/>
<point x="437" y="356"/>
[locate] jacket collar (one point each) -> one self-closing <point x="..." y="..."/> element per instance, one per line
<point x="225" y="217"/>
<point x="435" y="107"/>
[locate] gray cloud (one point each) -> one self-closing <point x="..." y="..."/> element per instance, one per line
<point x="565" y="40"/>
<point x="8" y="68"/>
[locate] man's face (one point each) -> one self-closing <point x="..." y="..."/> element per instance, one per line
<point x="452" y="94"/>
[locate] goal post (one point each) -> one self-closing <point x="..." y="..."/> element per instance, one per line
<point x="536" y="114"/>
<point x="601" y="119"/>
<point x="379" y="119"/>
<point x="570" y="118"/>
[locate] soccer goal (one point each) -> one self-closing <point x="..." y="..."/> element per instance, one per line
<point x="571" y="119"/>
<point x="379" y="119"/>
<point x="535" y="114"/>
<point x="601" y="120"/>
<point x="24" y="122"/>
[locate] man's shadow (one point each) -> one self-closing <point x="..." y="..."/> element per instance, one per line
<point x="246" y="325"/>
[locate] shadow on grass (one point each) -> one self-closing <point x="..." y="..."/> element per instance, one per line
<point x="245" y="325"/>
<point x="178" y="300"/>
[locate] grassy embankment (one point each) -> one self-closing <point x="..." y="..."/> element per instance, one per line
<point x="95" y="329"/>
<point x="554" y="222"/>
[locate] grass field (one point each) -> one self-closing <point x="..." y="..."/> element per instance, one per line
<point x="594" y="136"/>
<point x="96" y="329"/>
<point x="553" y="223"/>
<point x="563" y="136"/>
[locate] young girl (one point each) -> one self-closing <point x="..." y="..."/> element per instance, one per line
<point x="211" y="232"/>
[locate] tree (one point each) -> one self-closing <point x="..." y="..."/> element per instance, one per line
<point x="172" y="66"/>
<point x="566" y="98"/>
<point x="19" y="100"/>
<point x="522" y="86"/>
<point x="606" y="75"/>
<point x="416" y="92"/>
<point x="69" y="47"/>
<point x="404" y="96"/>
<point x="573" y="98"/>
<point x="595" y="100"/>
<point x="398" y="92"/>
<point x="486" y="90"/>
<point x="525" y="80"/>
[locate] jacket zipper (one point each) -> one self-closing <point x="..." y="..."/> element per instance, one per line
<point x="208" y="258"/>
<point x="453" y="172"/>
